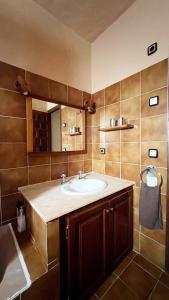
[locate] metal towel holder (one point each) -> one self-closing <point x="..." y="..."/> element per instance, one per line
<point x="154" y="171"/>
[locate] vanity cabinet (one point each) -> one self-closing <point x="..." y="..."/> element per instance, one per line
<point x="97" y="238"/>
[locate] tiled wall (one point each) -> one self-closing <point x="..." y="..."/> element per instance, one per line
<point x="127" y="151"/>
<point x="16" y="167"/>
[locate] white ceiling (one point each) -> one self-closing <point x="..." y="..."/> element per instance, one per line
<point x="88" y="18"/>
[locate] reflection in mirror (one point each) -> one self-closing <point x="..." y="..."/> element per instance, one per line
<point x="57" y="127"/>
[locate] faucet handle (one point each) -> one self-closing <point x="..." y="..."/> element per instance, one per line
<point x="63" y="177"/>
<point x="80" y="174"/>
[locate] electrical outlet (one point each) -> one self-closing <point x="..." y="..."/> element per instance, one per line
<point x="153" y="153"/>
<point x="153" y="101"/>
<point x="102" y="150"/>
<point x="152" y="49"/>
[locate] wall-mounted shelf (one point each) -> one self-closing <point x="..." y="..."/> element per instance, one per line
<point x="73" y="134"/>
<point x="122" y="127"/>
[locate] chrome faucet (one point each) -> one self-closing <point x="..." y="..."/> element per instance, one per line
<point x="63" y="178"/>
<point x="80" y="174"/>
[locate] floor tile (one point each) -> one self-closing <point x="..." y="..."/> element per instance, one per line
<point x="165" y="279"/>
<point x="106" y="285"/>
<point x="122" y="266"/>
<point x="139" y="281"/>
<point x="119" y="291"/>
<point x="132" y="254"/>
<point x="160" y="292"/>
<point x="147" y="266"/>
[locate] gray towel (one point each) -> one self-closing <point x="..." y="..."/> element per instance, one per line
<point x="150" y="213"/>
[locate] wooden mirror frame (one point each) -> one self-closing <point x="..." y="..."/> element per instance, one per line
<point x="29" y="125"/>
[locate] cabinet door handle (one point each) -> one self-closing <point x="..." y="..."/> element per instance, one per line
<point x="112" y="209"/>
<point x="107" y="211"/>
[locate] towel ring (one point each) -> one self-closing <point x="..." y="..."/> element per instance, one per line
<point x="154" y="171"/>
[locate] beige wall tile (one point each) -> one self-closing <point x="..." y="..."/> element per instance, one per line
<point x="154" y="77"/>
<point x="136" y="219"/>
<point x="131" y="172"/>
<point x="130" y="87"/>
<point x="96" y="152"/>
<point x="163" y="204"/>
<point x="87" y="166"/>
<point x="112" y="111"/>
<point x="130" y="109"/>
<point x="97" y="136"/>
<point x="75" y="157"/>
<point x="131" y="135"/>
<point x="147" y="110"/>
<point x="112" y="136"/>
<point x="154" y="129"/>
<point x="157" y="234"/>
<point x="112" y="93"/>
<point x="161" y="161"/>
<point x="112" y="169"/>
<point x="136" y="198"/>
<point x="112" y="152"/>
<point x="98" y="166"/>
<point x="152" y="250"/>
<point x="136" y="238"/>
<point x="88" y="155"/>
<point x="130" y="153"/>
<point x="98" y="119"/>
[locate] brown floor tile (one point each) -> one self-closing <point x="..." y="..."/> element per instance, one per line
<point x="160" y="292"/>
<point x="94" y="297"/>
<point x="132" y="254"/>
<point x="165" y="279"/>
<point x="147" y="266"/>
<point x="119" y="291"/>
<point x="138" y="280"/>
<point x="122" y="266"/>
<point x="106" y="285"/>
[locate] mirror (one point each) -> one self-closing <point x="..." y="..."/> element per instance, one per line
<point x="53" y="127"/>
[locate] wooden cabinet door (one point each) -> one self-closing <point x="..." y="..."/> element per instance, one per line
<point x="86" y="250"/>
<point x="120" y="236"/>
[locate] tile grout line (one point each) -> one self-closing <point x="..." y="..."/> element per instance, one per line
<point x="120" y="136"/>
<point x="140" y="157"/>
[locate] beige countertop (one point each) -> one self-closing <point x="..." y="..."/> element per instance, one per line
<point x="50" y="202"/>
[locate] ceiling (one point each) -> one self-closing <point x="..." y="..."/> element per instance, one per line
<point x="88" y="18"/>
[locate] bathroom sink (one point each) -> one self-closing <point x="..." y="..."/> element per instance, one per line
<point x="84" y="186"/>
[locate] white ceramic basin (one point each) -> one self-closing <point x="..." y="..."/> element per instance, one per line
<point x="84" y="186"/>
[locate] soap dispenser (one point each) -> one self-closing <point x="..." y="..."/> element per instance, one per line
<point x="21" y="221"/>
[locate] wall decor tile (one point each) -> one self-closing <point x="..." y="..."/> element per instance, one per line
<point x="13" y="155"/>
<point x="161" y="108"/>
<point x="112" y="94"/>
<point x="154" y="77"/>
<point x="12" y="130"/>
<point x="130" y="87"/>
<point x="58" y="91"/>
<point x="161" y="161"/>
<point x="36" y="159"/>
<point x="11" y="179"/>
<point x="8" y="76"/>
<point x="75" y="96"/>
<point x="12" y="104"/>
<point x="98" y="98"/>
<point x="39" y="85"/>
<point x="58" y="169"/>
<point x="39" y="174"/>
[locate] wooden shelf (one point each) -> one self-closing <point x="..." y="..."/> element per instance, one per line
<point x="73" y="134"/>
<point x="122" y="127"/>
